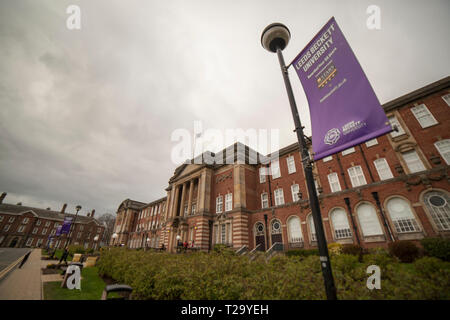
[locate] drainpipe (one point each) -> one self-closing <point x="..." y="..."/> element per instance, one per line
<point x="342" y="170"/>
<point x="367" y="164"/>
<point x="386" y="224"/>
<point x="267" y="233"/>
<point x="347" y="202"/>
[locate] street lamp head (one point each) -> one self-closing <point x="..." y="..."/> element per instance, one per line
<point x="96" y="238"/>
<point x="275" y="35"/>
<point x="114" y="235"/>
<point x="78" y="208"/>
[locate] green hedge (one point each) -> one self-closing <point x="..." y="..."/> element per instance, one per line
<point x="219" y="276"/>
<point x="302" y="252"/>
<point x="437" y="247"/>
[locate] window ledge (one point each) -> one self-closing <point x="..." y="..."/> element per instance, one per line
<point x="410" y="236"/>
<point x="378" y="238"/>
<point x="344" y="241"/>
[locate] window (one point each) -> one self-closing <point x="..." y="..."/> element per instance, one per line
<point x="39" y="242"/>
<point x="295" y="190"/>
<point x="424" y="116"/>
<point x="79" y="235"/>
<point x="312" y="228"/>
<point x="264" y="200"/>
<point x="194" y="207"/>
<point x="223" y="233"/>
<point x="291" y="164"/>
<point x="25" y="220"/>
<point x="185" y="210"/>
<point x="326" y="159"/>
<point x="20" y="229"/>
<point x="279" y="197"/>
<point x="348" y="151"/>
<point x="446" y="98"/>
<point x="29" y="242"/>
<point x="228" y="201"/>
<point x="368" y="220"/>
<point x="443" y="147"/>
<point x="53" y="232"/>
<point x="11" y="219"/>
<point x="356" y="176"/>
<point x="44" y="231"/>
<point x="1" y="218"/>
<point x="401" y="215"/>
<point x="47" y="223"/>
<point x="372" y="142"/>
<point x="295" y="230"/>
<point x="262" y="174"/>
<point x="340" y="224"/>
<point x="333" y="179"/>
<point x="275" y="169"/>
<point x="413" y="161"/>
<point x="384" y="172"/>
<point x="6" y="228"/>
<point x="394" y="123"/>
<point x="437" y="204"/>
<point x="38" y="223"/>
<point x="35" y="230"/>
<point x="276" y="227"/>
<point x="219" y="204"/>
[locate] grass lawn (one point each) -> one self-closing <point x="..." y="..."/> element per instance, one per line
<point x="91" y="288"/>
<point x="58" y="254"/>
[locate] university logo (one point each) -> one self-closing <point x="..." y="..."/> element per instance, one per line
<point x="332" y="136"/>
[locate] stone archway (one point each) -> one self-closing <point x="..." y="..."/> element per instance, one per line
<point x="14" y="242"/>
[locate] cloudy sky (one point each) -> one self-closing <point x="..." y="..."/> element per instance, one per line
<point x="86" y="116"/>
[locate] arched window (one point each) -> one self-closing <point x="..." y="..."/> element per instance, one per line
<point x="340" y="224"/>
<point x="437" y="204"/>
<point x="312" y="228"/>
<point x="368" y="220"/>
<point x="295" y="230"/>
<point x="259" y="229"/>
<point x="276" y="226"/>
<point x="401" y="215"/>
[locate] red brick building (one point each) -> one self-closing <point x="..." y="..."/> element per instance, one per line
<point x="394" y="187"/>
<point x="22" y="226"/>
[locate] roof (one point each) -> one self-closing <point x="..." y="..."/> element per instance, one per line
<point x="43" y="213"/>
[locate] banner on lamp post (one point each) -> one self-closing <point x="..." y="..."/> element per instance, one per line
<point x="65" y="228"/>
<point x="343" y="106"/>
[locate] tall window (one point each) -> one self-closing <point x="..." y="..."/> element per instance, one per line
<point x="6" y="228"/>
<point x="437" y="204"/>
<point x="194" y="207"/>
<point x="275" y="169"/>
<point x="395" y="123"/>
<point x="333" y="179"/>
<point x="276" y="227"/>
<point x="223" y="233"/>
<point x="356" y="176"/>
<point x="291" y="164"/>
<point x="11" y="219"/>
<point x="340" y="224"/>
<point x="262" y="174"/>
<point x="295" y="230"/>
<point x="29" y="242"/>
<point x="446" y="98"/>
<point x="279" y="197"/>
<point x="44" y="231"/>
<point x="264" y="200"/>
<point x="25" y="220"/>
<point x="423" y="116"/>
<point x="312" y="228"/>
<point x="413" y="161"/>
<point x="1" y="218"/>
<point x="384" y="172"/>
<point x="228" y="201"/>
<point x="219" y="204"/>
<point x="20" y="229"/>
<point x="295" y="190"/>
<point x="443" y="147"/>
<point x="368" y="220"/>
<point x="185" y="210"/>
<point x="401" y="215"/>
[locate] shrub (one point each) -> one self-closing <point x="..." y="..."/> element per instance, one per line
<point x="406" y="251"/>
<point x="352" y="249"/>
<point x="76" y="249"/>
<point x="437" y="247"/>
<point x="335" y="248"/>
<point x="302" y="252"/>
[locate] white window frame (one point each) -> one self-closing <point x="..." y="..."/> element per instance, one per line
<point x="279" y="196"/>
<point x="193" y="208"/>
<point x="262" y="174"/>
<point x="6" y="227"/>
<point x="20" y="229"/>
<point x="291" y="164"/>
<point x="334" y="183"/>
<point x="295" y="196"/>
<point x="29" y="242"/>
<point x="275" y="165"/>
<point x="1" y="218"/>
<point x="394" y="122"/>
<point x="44" y="231"/>
<point x="348" y="151"/>
<point x="38" y="222"/>
<point x="266" y="200"/>
<point x="343" y="232"/>
<point x="219" y="204"/>
<point x="326" y="159"/>
<point x="25" y="220"/>
<point x="423" y="116"/>
<point x="406" y="224"/>
<point x="370" y="224"/>
<point x="372" y="142"/>
<point x="440" y="146"/>
<point x="229" y="201"/>
<point x="11" y="219"/>
<point x="383" y="169"/>
<point x="47" y="224"/>
<point x="446" y="98"/>
<point x="312" y="228"/>
<point x="357" y="177"/>
<point x="414" y="165"/>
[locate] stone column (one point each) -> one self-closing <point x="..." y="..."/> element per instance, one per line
<point x="191" y="190"/>
<point x="183" y="197"/>
<point x="174" y="210"/>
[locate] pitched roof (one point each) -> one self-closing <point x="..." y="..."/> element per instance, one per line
<point x="43" y="213"/>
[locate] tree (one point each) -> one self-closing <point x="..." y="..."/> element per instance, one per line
<point x="107" y="220"/>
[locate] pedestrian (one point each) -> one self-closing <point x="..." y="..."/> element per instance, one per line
<point x="64" y="256"/>
<point x="185" y="246"/>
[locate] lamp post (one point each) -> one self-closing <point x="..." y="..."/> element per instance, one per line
<point x="114" y="236"/>
<point x="78" y="208"/>
<point x="95" y="242"/>
<point x="275" y="38"/>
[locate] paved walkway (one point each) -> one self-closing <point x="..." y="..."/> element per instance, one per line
<point x="24" y="283"/>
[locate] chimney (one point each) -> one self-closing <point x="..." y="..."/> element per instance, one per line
<point x="63" y="210"/>
<point x="48" y="208"/>
<point x="92" y="213"/>
<point x="2" y="197"/>
<point x="19" y="203"/>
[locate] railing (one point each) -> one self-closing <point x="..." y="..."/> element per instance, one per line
<point x="242" y="250"/>
<point x="254" y="249"/>
<point x="276" y="247"/>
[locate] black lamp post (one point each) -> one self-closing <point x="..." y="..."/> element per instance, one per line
<point x="275" y="38"/>
<point x="78" y="208"/>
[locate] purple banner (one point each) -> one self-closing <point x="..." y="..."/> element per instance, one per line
<point x="65" y="228"/>
<point x="343" y="106"/>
